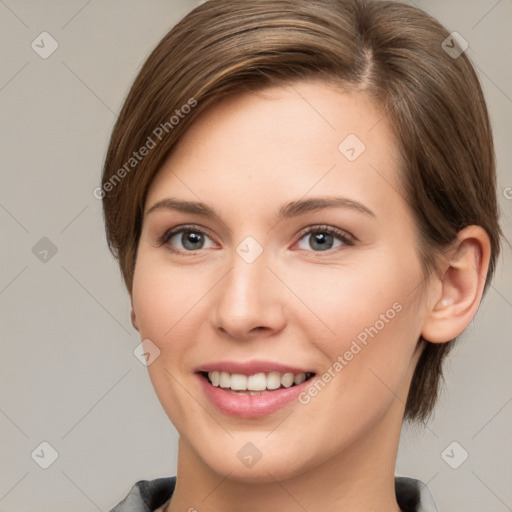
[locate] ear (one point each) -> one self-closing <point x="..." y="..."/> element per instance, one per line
<point x="133" y="316"/>
<point x="462" y="282"/>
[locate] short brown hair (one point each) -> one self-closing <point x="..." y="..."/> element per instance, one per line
<point x="432" y="99"/>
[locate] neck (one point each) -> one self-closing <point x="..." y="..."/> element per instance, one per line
<point x="360" y="478"/>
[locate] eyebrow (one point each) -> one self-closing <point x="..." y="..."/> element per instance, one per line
<point x="289" y="210"/>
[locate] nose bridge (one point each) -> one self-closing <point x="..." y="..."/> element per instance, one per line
<point x="247" y="298"/>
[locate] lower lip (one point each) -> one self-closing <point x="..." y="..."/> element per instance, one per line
<point x="250" y="406"/>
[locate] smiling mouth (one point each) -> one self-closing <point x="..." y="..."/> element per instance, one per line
<point x="256" y="384"/>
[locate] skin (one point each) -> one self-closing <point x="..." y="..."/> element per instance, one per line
<point x="246" y="157"/>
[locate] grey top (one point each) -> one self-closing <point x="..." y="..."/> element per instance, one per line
<point x="147" y="495"/>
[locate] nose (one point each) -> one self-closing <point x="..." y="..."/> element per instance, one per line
<point x="249" y="301"/>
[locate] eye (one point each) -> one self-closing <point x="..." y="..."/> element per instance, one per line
<point x="323" y="238"/>
<point x="186" y="239"/>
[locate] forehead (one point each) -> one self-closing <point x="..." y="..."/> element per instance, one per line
<point x="300" y="138"/>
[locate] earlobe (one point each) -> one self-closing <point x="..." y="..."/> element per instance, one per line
<point x="133" y="318"/>
<point x="462" y="285"/>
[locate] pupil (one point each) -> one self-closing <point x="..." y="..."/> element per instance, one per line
<point x="321" y="241"/>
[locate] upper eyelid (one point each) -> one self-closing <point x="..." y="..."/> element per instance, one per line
<point x="325" y="227"/>
<point x="169" y="233"/>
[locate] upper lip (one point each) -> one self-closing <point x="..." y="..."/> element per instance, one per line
<point x="250" y="367"/>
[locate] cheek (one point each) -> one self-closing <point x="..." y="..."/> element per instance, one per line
<point x="346" y="302"/>
<point x="165" y="301"/>
<point x="165" y="298"/>
<point x="366" y="324"/>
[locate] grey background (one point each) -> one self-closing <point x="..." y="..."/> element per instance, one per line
<point x="68" y="375"/>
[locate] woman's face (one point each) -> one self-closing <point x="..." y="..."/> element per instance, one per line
<point x="276" y="247"/>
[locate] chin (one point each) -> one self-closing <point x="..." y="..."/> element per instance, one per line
<point x="256" y="460"/>
<point x="263" y="472"/>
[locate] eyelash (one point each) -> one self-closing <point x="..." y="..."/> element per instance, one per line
<point x="344" y="237"/>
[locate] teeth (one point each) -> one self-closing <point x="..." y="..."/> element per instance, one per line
<point x="256" y="383"/>
<point x="224" y="379"/>
<point x="238" y="382"/>
<point x="299" y="378"/>
<point x="214" y="378"/>
<point x="287" y="380"/>
<point x="273" y="380"/>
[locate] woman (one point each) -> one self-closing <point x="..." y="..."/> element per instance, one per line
<point x="301" y="196"/>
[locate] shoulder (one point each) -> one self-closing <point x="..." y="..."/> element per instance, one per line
<point x="147" y="495"/>
<point x="413" y="495"/>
